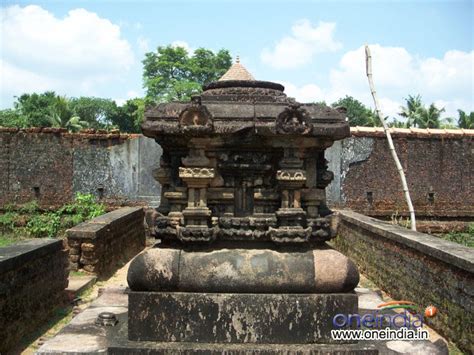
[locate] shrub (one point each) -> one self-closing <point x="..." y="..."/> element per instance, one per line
<point x="85" y="207"/>
<point x="44" y="225"/>
<point x="7" y="220"/>
<point x="466" y="239"/>
<point x="50" y="224"/>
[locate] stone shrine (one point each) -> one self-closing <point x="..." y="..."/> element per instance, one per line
<point x="243" y="223"/>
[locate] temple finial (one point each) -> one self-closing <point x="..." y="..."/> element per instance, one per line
<point x="237" y="72"/>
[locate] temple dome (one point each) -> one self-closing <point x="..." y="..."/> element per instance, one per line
<point x="238" y="81"/>
<point x="237" y="72"/>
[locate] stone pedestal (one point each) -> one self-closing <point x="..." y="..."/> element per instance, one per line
<point x="235" y="295"/>
<point x="235" y="317"/>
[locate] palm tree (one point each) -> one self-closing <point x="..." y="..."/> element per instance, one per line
<point x="61" y="115"/>
<point x="429" y="118"/>
<point x="411" y="111"/>
<point x="466" y="121"/>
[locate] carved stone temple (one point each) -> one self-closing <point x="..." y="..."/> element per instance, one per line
<point x="243" y="262"/>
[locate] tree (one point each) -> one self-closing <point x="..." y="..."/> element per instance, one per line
<point x="97" y="112"/>
<point x="357" y="113"/>
<point x="35" y="108"/>
<point x="430" y="117"/>
<point x="411" y="110"/>
<point x="171" y="74"/>
<point x="418" y="115"/>
<point x="12" y="118"/>
<point x="61" y="115"/>
<point x="130" y="115"/>
<point x="465" y="121"/>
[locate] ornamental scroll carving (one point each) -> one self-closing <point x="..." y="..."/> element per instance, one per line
<point x="291" y="175"/>
<point x="196" y="173"/>
<point x="294" y="120"/>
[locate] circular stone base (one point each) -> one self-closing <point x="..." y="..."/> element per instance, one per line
<point x="243" y="271"/>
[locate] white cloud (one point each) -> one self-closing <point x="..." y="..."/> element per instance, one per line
<point x="305" y="93"/>
<point x="397" y="74"/>
<point x="131" y="94"/>
<point x="446" y="81"/>
<point x="143" y="44"/>
<point x="184" y="45"/>
<point x="72" y="54"/>
<point x="453" y="73"/>
<point x="302" y="45"/>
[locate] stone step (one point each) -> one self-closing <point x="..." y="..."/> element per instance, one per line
<point x="78" y="284"/>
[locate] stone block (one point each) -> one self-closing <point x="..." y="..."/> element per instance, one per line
<point x="297" y="270"/>
<point x="235" y="318"/>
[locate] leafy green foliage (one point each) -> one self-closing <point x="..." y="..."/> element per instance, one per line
<point x="12" y="118"/>
<point x="51" y="110"/>
<point x="129" y="116"/>
<point x="466" y="120"/>
<point x="28" y="220"/>
<point x="420" y="116"/>
<point x="357" y="113"/>
<point x="466" y="239"/>
<point x="85" y="207"/>
<point x="30" y="207"/>
<point x="171" y="73"/>
<point x="36" y="108"/>
<point x="97" y="112"/>
<point x="44" y="225"/>
<point x="7" y="220"/>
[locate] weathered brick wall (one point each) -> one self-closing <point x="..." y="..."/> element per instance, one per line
<point x="50" y="165"/>
<point x="102" y="244"/>
<point x="417" y="267"/>
<point x="42" y="163"/>
<point x="439" y="167"/>
<point x="33" y="276"/>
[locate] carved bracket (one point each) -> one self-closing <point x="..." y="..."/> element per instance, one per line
<point x="294" y="120"/>
<point x="196" y="119"/>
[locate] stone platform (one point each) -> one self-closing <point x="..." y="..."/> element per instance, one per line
<point x="235" y="317"/>
<point x="83" y="336"/>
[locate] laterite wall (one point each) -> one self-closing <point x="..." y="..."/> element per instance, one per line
<point x="33" y="277"/>
<point x="439" y="168"/>
<point x="104" y="243"/>
<point x="416" y="267"/>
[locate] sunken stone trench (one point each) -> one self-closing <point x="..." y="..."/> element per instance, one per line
<point x="243" y="224"/>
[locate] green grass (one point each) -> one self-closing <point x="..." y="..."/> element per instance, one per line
<point x="78" y="273"/>
<point x="463" y="238"/>
<point x="460" y="238"/>
<point x="20" y="222"/>
<point x="12" y="237"/>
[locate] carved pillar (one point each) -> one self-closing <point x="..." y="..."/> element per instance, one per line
<point x="197" y="175"/>
<point x="291" y="217"/>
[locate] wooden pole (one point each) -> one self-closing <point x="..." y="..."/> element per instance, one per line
<point x="368" y="67"/>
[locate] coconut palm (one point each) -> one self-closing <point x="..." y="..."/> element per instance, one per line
<point x="466" y="121"/>
<point x="61" y="115"/>
<point x="429" y="117"/>
<point x="411" y="111"/>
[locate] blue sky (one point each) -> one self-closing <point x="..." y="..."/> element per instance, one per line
<point x="95" y="48"/>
